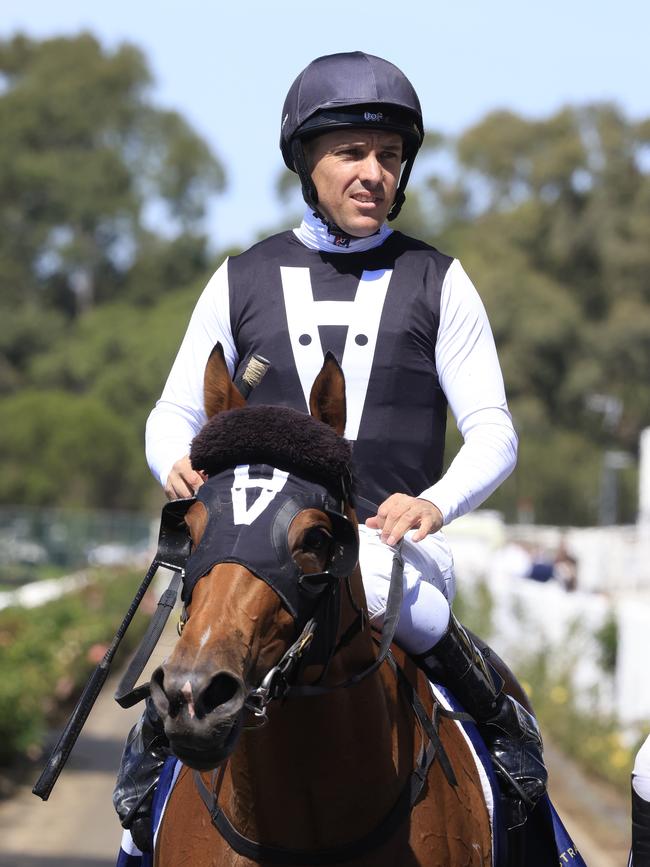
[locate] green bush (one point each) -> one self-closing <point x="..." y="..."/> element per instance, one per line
<point x="47" y="654"/>
<point x="45" y="432"/>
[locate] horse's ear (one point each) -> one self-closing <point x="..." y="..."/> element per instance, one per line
<point x="327" y="398"/>
<point x="219" y="393"/>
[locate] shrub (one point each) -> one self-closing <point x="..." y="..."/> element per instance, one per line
<point x="47" y="654"/>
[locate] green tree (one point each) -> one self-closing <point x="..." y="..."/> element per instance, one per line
<point x="119" y="354"/>
<point x="84" y="157"/>
<point x="62" y="449"/>
<point x="551" y="219"/>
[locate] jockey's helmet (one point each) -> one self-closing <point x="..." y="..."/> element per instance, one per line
<point x="351" y="89"/>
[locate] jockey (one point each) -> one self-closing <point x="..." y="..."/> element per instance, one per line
<point x="640" y="853"/>
<point x="412" y="337"/>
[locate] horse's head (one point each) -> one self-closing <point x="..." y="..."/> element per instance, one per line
<point x="271" y="543"/>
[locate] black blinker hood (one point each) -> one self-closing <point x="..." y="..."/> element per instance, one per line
<point x="250" y="510"/>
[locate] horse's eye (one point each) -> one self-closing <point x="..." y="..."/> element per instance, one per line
<point x="316" y="539"/>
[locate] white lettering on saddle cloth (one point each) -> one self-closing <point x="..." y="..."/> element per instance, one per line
<point x="268" y="488"/>
<point x="361" y="316"/>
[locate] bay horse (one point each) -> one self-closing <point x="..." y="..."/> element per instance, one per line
<point x="327" y="772"/>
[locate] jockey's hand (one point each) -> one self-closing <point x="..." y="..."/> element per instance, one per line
<point x="182" y="480"/>
<point x="400" y="513"/>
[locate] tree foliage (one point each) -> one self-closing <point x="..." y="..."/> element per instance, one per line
<point x="85" y="157"/>
<point x="550" y="216"/>
<point x="551" y="219"/>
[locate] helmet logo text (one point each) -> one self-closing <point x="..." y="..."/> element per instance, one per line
<point x="371" y="115"/>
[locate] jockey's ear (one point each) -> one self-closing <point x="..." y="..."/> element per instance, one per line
<point x="219" y="393"/>
<point x="327" y="398"/>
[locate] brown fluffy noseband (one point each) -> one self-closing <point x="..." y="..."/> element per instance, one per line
<point x="275" y="435"/>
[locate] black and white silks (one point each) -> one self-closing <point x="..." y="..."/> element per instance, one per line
<point x="411" y="334"/>
<point x="410" y="331"/>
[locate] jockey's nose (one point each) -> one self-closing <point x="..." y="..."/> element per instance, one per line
<point x="196" y="694"/>
<point x="371" y="171"/>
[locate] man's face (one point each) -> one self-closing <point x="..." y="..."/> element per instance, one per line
<point x="356" y="173"/>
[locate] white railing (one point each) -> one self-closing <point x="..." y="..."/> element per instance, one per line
<point x="529" y="616"/>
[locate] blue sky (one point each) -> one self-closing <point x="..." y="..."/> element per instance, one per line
<point x="227" y="66"/>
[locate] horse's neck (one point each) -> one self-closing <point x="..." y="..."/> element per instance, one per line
<point x="324" y="759"/>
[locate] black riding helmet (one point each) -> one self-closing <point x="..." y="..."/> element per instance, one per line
<point x="349" y="90"/>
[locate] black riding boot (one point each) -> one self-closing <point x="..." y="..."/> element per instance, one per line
<point x="640" y="831"/>
<point x="509" y="731"/>
<point x="145" y="752"/>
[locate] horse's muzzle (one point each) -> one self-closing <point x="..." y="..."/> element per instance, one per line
<point x="202" y="713"/>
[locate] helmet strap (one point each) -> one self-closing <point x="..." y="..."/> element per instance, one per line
<point x="309" y="191"/>
<point x="400" y="195"/>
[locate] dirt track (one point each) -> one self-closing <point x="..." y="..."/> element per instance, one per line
<point x="596" y="816"/>
<point x="77" y="826"/>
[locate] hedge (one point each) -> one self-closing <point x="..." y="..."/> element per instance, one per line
<point x="47" y="654"/>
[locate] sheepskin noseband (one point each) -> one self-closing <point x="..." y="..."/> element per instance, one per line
<point x="279" y="436"/>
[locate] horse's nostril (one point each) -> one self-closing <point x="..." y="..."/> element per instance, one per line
<point x="221" y="689"/>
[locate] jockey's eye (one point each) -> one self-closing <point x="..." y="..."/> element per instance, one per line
<point x="316" y="540"/>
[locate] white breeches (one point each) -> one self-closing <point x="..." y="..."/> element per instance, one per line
<point x="641" y="771"/>
<point x="429" y="586"/>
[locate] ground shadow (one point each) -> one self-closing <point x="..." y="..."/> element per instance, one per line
<point x="89" y="755"/>
<point x="92" y="753"/>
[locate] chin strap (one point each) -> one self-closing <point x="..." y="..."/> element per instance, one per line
<point x="309" y="191"/>
<point x="400" y="195"/>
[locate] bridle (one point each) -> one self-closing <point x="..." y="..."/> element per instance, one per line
<point x="322" y="590"/>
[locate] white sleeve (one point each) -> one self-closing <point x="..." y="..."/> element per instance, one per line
<point x="179" y="414"/>
<point x="470" y="376"/>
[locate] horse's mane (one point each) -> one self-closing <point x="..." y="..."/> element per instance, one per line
<point x="275" y="435"/>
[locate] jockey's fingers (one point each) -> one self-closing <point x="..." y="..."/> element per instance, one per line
<point x="427" y="525"/>
<point x="183" y="481"/>
<point x="376" y="522"/>
<point x="400" y="513"/>
<point x="389" y="512"/>
<point x="397" y="524"/>
<point x="180" y="486"/>
<point x="431" y="522"/>
<point x="196" y="481"/>
<point x="176" y="489"/>
<point x="392" y="509"/>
